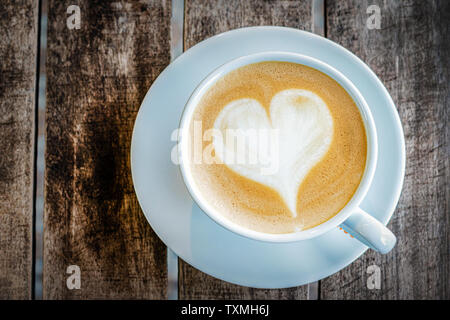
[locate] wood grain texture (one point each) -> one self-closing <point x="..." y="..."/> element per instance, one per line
<point x="97" y="78"/>
<point x="410" y="55"/>
<point x="18" y="67"/>
<point x="204" y="19"/>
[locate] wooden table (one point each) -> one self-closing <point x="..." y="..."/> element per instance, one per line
<point x="97" y="77"/>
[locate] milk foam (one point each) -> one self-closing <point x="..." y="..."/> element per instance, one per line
<point x="290" y="140"/>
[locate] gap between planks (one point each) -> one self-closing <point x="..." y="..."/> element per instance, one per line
<point x="39" y="156"/>
<point x="176" y="49"/>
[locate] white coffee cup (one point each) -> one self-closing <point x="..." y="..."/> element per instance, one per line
<point x="351" y="218"/>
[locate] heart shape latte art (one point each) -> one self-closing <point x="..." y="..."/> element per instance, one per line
<point x="276" y="148"/>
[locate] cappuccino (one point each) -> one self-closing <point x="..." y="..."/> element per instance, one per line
<point x="277" y="147"/>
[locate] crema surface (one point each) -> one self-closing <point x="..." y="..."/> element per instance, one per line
<point x="301" y="153"/>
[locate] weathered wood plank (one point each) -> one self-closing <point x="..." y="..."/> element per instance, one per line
<point x="97" y="78"/>
<point x="204" y="19"/>
<point x="18" y="67"/>
<point x="410" y="55"/>
<point x="194" y="284"/>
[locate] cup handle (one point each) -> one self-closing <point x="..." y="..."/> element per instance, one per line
<point x="369" y="231"/>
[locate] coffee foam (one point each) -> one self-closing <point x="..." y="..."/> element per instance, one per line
<point x="304" y="128"/>
<point x="318" y="172"/>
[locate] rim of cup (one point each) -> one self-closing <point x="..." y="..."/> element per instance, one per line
<point x="369" y="125"/>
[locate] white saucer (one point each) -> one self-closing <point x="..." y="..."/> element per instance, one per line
<point x="188" y="231"/>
